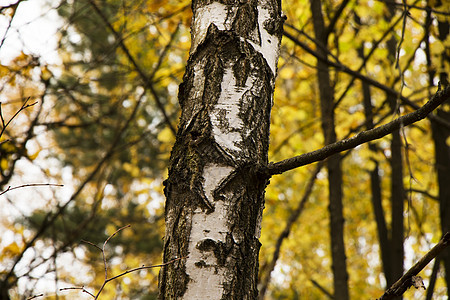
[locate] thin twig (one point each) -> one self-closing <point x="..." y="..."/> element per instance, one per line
<point x="51" y="217"/>
<point x="29" y="185"/>
<point x="106" y="280"/>
<point x="104" y="246"/>
<point x="77" y="288"/>
<point x="35" y="296"/>
<point x="23" y="107"/>
<point x="142" y="74"/>
<point x="322" y="289"/>
<point x="435" y="11"/>
<point x="343" y="68"/>
<point x="146" y="267"/>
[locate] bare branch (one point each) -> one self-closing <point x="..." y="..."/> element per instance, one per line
<point x="144" y="77"/>
<point x="106" y="280"/>
<point x="92" y="244"/>
<point x="360" y="76"/>
<point x="336" y="17"/>
<point x="78" y="288"/>
<point x="322" y="289"/>
<point x="146" y="267"/>
<point x="427" y="8"/>
<point x="35" y="296"/>
<point x="24" y="106"/>
<point x="407" y="280"/>
<point x="29" y="185"/>
<point x="360" y="138"/>
<point x="51" y="217"/>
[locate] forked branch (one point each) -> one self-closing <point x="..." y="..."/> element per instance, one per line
<point x="24" y="106"/>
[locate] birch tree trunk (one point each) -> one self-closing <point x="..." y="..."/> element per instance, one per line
<point x="215" y="190"/>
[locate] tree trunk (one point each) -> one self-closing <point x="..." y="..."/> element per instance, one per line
<point x="340" y="275"/>
<point x="376" y="195"/>
<point x="375" y="182"/>
<point x="215" y="190"/>
<point x="441" y="136"/>
<point x="397" y="188"/>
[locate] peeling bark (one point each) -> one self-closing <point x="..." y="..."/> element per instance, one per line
<point x="215" y="189"/>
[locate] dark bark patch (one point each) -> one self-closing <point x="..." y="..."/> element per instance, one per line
<point x="246" y="22"/>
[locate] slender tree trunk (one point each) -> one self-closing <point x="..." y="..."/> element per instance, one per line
<point x="215" y="192"/>
<point x="396" y="163"/>
<point x="376" y="196"/>
<point x="340" y="275"/>
<point x="442" y="164"/>
<point x="440" y="136"/>
<point x="375" y="182"/>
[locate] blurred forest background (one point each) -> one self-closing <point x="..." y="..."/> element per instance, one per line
<point x="98" y="114"/>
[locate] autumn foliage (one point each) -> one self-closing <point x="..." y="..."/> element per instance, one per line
<point x="100" y="118"/>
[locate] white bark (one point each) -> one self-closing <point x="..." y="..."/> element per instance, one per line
<point x="206" y="279"/>
<point x="215" y="197"/>
<point x="228" y="129"/>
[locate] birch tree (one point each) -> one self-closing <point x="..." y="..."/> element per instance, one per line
<point x="110" y="106"/>
<point x="215" y="188"/>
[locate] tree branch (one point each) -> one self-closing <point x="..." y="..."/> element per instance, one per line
<point x="322" y="289"/>
<point x="105" y="266"/>
<point x="336" y="17"/>
<point x="406" y="281"/>
<point x="144" y="77"/>
<point x="10" y="188"/>
<point x="51" y="217"/>
<point x="343" y="68"/>
<point x="360" y="138"/>
<point x="24" y="106"/>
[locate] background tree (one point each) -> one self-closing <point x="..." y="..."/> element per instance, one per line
<point x="100" y="126"/>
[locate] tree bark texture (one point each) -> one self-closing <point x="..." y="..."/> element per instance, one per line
<point x="339" y="266"/>
<point x="215" y="189"/>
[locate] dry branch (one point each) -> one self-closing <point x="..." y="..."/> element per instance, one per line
<point x="146" y="79"/>
<point x="24" y="106"/>
<point x="343" y="68"/>
<point x="10" y="188"/>
<point x="409" y="278"/>
<point x="51" y="216"/>
<point x="363" y="137"/>
<point x="105" y="266"/>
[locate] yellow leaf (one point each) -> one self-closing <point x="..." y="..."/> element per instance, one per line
<point x="3" y="164"/>
<point x="165" y="135"/>
<point x="11" y="250"/>
<point x="33" y="156"/>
